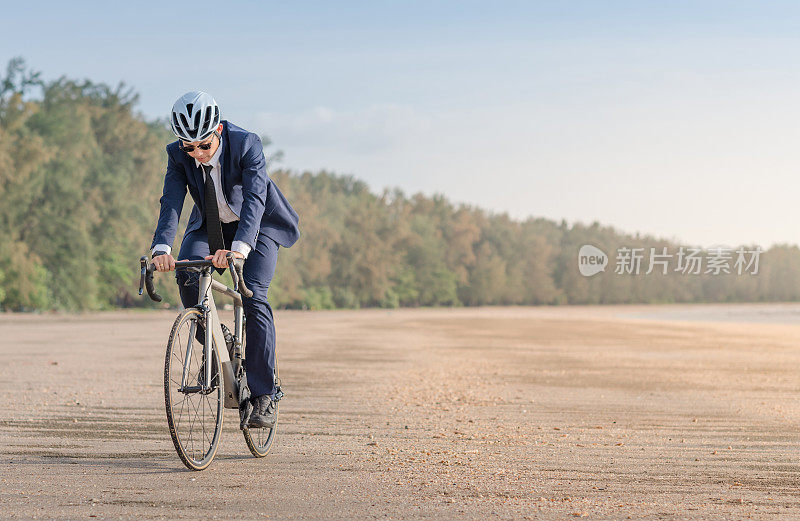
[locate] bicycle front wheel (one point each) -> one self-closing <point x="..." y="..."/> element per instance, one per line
<point x="194" y="415"/>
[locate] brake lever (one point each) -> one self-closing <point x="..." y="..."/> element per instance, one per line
<point x="143" y="262"/>
<point x="232" y="268"/>
<point x="238" y="276"/>
<point x="146" y="280"/>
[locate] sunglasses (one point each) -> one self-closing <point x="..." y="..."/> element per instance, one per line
<point x="201" y="146"/>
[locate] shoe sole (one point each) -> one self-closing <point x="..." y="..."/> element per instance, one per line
<point x="260" y="425"/>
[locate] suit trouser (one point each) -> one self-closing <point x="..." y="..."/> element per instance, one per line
<point x="259" y="267"/>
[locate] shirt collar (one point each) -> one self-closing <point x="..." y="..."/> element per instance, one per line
<point x="214" y="161"/>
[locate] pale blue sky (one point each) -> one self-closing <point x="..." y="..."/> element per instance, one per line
<point x="678" y="119"/>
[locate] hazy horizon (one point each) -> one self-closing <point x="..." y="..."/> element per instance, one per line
<point x="673" y="121"/>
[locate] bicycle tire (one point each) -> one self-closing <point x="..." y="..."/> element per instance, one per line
<point x="260" y="443"/>
<point x="195" y="454"/>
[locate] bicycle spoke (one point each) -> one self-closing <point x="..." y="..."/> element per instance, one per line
<point x="180" y="402"/>
<point x="204" y="431"/>
<point x="191" y="425"/>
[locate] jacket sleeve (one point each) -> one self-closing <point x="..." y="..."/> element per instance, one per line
<point x="171" y="203"/>
<point x="254" y="190"/>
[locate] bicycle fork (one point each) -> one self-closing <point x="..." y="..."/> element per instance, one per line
<point x="187" y="360"/>
<point x="203" y="380"/>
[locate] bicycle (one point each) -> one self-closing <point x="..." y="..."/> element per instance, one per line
<point x="193" y="390"/>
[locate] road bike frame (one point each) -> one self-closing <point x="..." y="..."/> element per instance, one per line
<point x="213" y="326"/>
<point x="214" y="334"/>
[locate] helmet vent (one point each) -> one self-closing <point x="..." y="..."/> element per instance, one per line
<point x="207" y="119"/>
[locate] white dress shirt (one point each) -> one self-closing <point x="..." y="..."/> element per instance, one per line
<point x="226" y="215"/>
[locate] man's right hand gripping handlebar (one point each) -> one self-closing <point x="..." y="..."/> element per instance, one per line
<point x="163" y="261"/>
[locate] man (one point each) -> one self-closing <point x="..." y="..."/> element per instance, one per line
<point x="237" y="208"/>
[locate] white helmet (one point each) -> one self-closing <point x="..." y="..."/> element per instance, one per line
<point x="195" y="116"/>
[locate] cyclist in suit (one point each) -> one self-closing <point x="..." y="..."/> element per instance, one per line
<point x="237" y="208"/>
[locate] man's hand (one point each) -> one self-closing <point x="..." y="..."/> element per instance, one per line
<point x="219" y="260"/>
<point x="164" y="262"/>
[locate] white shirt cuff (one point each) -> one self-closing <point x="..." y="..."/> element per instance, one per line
<point x="161" y="247"/>
<point x="242" y="247"/>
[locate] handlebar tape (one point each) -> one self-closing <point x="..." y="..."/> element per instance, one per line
<point x="148" y="283"/>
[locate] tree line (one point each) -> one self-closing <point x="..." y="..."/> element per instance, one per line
<point x="81" y="173"/>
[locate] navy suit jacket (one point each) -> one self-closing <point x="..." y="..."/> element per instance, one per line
<point x="250" y="193"/>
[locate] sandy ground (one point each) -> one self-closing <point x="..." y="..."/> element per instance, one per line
<point x="499" y="413"/>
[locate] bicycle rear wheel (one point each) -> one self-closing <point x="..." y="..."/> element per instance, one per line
<point x="259" y="441"/>
<point x="194" y="416"/>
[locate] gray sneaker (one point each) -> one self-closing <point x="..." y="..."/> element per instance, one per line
<point x="265" y="413"/>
